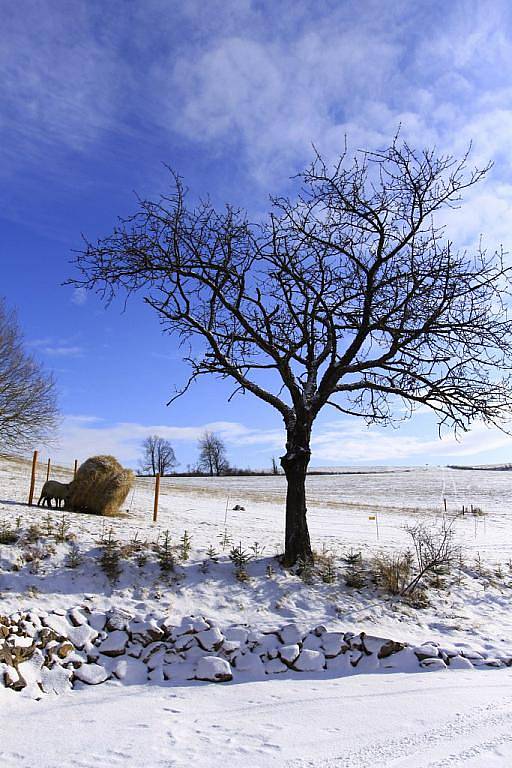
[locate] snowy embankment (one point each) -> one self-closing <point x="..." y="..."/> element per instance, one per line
<point x="50" y="653"/>
<point x="191" y="616"/>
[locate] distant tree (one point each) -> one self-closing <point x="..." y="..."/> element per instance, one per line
<point x="28" y="403"/>
<point x="157" y="455"/>
<point x="346" y="295"/>
<point x="212" y="454"/>
<point x="275" y="467"/>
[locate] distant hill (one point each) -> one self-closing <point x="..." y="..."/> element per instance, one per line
<point x="487" y="467"/>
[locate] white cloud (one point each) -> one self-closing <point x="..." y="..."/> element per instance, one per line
<point x="83" y="436"/>
<point x="278" y="96"/>
<point x="56" y="347"/>
<point x="61" y="83"/>
<point x="345" y="443"/>
<point x="342" y="442"/>
<point x="79" y="297"/>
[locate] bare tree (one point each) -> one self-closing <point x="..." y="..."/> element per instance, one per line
<point x="212" y="454"/>
<point x="349" y="295"/>
<point x="157" y="455"/>
<point x="28" y="410"/>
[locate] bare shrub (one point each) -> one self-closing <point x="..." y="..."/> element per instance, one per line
<point x="435" y="552"/>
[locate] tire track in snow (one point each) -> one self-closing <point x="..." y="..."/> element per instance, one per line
<point x="461" y="758"/>
<point x="394" y="751"/>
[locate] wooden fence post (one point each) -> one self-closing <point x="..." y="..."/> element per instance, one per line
<point x="32" y="479"/>
<point x="157" y="493"/>
<point x="75" y="469"/>
<point x="48" y="470"/>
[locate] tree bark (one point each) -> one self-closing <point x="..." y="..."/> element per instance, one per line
<point x="295" y="463"/>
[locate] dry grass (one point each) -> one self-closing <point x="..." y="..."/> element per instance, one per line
<point x="393" y="571"/>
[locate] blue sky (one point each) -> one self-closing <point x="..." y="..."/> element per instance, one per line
<point x="96" y="96"/>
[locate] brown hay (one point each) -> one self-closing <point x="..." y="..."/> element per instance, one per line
<point x="101" y="486"/>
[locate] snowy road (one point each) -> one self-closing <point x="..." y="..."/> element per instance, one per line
<point x="430" y="720"/>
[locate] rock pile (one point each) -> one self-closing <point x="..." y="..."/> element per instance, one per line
<point x="45" y="653"/>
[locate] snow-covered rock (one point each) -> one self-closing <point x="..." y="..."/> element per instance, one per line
<point x="58" y="624"/>
<point x="200" y="624"/>
<point x="82" y="635"/>
<point x="469" y="653"/>
<point x="289" y="653"/>
<point x="145" y="631"/>
<point x="210" y="639"/>
<point x="79" y="635"/>
<point x="389" y="647"/>
<point x="19" y="641"/>
<point x="426" y="651"/>
<point x="77" y="617"/>
<point x="130" y="671"/>
<point x="184" y="642"/>
<point x="156" y="659"/>
<point x="11" y="678"/>
<point x="459" y="662"/>
<point x="92" y="674"/>
<point x="115" y="643"/>
<point x="312" y="642"/>
<point x="117" y="620"/>
<point x="290" y="634"/>
<point x="309" y="661"/>
<point x="134" y="649"/>
<point x="236" y="634"/>
<point x="64" y="649"/>
<point x="195" y="653"/>
<point x="156" y="675"/>
<point x="230" y="646"/>
<point x="184" y="670"/>
<point x="275" y="667"/>
<point x="56" y="680"/>
<point x="249" y="662"/>
<point x="267" y="643"/>
<point x="433" y="664"/>
<point x="333" y="643"/>
<point x="214" y="669"/>
<point x="97" y="620"/>
<point x="490" y="662"/>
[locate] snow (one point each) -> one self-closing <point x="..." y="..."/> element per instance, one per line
<point x="362" y="707"/>
<point x="393" y="721"/>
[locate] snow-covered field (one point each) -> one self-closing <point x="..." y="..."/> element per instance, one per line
<point x="373" y="718"/>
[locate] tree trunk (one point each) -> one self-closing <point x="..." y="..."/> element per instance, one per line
<point x="295" y="463"/>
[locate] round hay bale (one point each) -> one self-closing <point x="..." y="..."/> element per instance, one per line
<point x="101" y="486"/>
